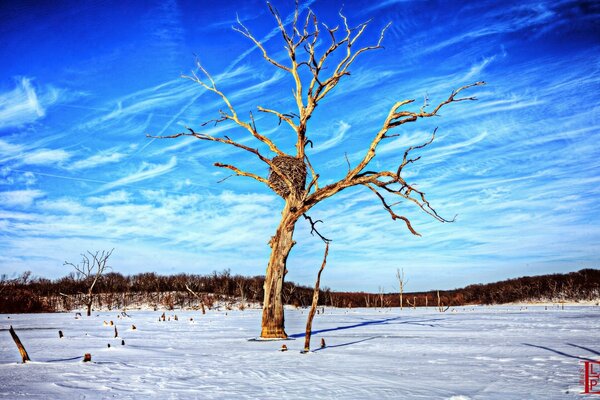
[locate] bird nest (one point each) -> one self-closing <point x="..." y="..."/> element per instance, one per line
<point x="294" y="169"/>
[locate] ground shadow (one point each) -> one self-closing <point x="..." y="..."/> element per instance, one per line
<point x="560" y="353"/>
<point x="424" y="322"/>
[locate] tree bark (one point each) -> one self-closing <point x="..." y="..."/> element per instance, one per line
<point x="281" y="245"/>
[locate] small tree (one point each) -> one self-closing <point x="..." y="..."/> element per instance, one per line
<point x="316" y="65"/>
<point x="91" y="268"/>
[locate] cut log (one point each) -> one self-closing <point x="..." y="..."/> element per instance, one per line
<point x="22" y="350"/>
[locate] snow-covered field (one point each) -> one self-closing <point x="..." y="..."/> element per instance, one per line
<point x="472" y="353"/>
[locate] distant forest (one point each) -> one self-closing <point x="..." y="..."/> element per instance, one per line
<point x="115" y="291"/>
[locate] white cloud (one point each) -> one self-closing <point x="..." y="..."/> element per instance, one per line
<point x="63" y="205"/>
<point x="46" y="156"/>
<point x="20" y="198"/>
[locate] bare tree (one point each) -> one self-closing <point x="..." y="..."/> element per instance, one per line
<point x="401" y="282"/>
<point x="316" y="65"/>
<point x="91" y="268"/>
<point x="288" y="292"/>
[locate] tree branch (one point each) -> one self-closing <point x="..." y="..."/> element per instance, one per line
<point x="233" y="116"/>
<point x="239" y="172"/>
<point x="392" y="213"/>
<point x="313" y="229"/>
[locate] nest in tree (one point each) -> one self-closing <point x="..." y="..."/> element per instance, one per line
<point x="294" y="169"/>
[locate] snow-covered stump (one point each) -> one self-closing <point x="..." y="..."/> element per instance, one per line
<point x="20" y="346"/>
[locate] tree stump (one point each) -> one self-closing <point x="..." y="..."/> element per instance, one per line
<point x="20" y="346"/>
<point x="87" y="357"/>
<point x="60" y="335"/>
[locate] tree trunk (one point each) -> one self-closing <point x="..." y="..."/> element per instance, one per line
<point x="89" y="308"/>
<point x="315" y="302"/>
<point x="281" y="245"/>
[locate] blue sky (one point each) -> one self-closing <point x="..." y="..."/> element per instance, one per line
<point x="81" y="84"/>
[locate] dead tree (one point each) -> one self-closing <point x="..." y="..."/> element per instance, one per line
<point x="315" y="302"/>
<point x="91" y="268"/>
<point x="240" y="283"/>
<point x="381" y="295"/>
<point x="440" y="305"/>
<point x="318" y="59"/>
<point x="196" y="295"/>
<point x="367" y="300"/>
<point x="401" y="282"/>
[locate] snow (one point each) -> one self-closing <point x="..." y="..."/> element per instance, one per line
<point x="500" y="352"/>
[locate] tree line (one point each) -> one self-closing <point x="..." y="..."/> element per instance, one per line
<point x="27" y="293"/>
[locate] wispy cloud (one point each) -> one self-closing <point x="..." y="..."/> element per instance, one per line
<point x="107" y="157"/>
<point x="21" y="105"/>
<point x="146" y="171"/>
<point x="388" y="3"/>
<point x="117" y="196"/>
<point x="341" y="128"/>
<point x="476" y="70"/>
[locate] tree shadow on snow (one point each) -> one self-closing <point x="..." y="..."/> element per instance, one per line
<point x="560" y="353"/>
<point x="424" y="322"/>
<point x="65" y="359"/>
<point x="585" y="348"/>
<point x="346" y="344"/>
